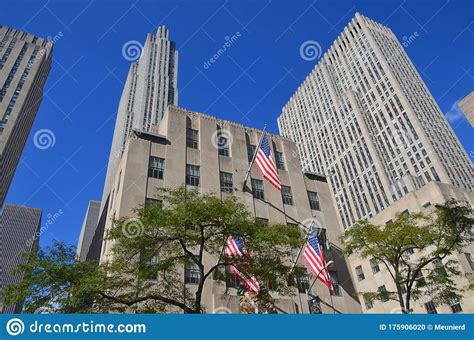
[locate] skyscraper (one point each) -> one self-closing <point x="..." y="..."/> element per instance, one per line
<point x="25" y="61"/>
<point x="150" y="86"/>
<point x="365" y="118"/>
<point x="467" y="107"/>
<point x="19" y="233"/>
<point x="85" y="246"/>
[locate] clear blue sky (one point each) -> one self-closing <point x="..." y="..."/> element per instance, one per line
<point x="249" y="84"/>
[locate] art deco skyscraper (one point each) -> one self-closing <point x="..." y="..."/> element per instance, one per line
<point x="365" y="118"/>
<point x="19" y="234"/>
<point x="25" y="61"/>
<point x="151" y="85"/>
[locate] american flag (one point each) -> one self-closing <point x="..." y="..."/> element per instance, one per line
<point x="235" y="248"/>
<point x="314" y="257"/>
<point x="266" y="164"/>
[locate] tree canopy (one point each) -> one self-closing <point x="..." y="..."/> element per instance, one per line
<point x="145" y="270"/>
<point x="416" y="250"/>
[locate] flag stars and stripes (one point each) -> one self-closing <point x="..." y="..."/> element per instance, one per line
<point x="314" y="257"/>
<point x="235" y="248"/>
<point x="266" y="163"/>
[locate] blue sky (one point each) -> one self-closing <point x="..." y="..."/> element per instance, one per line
<point x="249" y="84"/>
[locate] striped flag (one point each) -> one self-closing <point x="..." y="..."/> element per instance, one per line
<point x="314" y="257"/>
<point x="266" y="164"/>
<point x="235" y="248"/>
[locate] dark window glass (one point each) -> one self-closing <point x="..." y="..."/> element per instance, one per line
<point x="148" y="268"/>
<point x="192" y="274"/>
<point x="360" y="273"/>
<point x="280" y="163"/>
<point x="286" y="195"/>
<point x="374" y="265"/>
<point x="430" y="308"/>
<point x="192" y="138"/>
<point x="313" y="200"/>
<point x="231" y="280"/>
<point x="257" y="189"/>
<point x="250" y="151"/>
<point x="368" y="304"/>
<point x="302" y="282"/>
<point x="156" y="167"/>
<point x="455" y="306"/>
<point x="335" y="283"/>
<point x="152" y="201"/>
<point x="223" y="145"/>
<point x="227" y="184"/>
<point x="382" y="289"/>
<point x="192" y="175"/>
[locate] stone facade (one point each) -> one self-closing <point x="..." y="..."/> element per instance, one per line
<point x="132" y="186"/>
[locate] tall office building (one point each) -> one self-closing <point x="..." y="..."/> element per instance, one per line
<point x="25" y="61"/>
<point x="86" y="249"/>
<point x="19" y="233"/>
<point x="150" y="86"/>
<point x="365" y="118"/>
<point x="183" y="150"/>
<point x="467" y="107"/>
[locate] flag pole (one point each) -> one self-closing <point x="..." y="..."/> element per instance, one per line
<point x="254" y="156"/>
<point x="301" y="249"/>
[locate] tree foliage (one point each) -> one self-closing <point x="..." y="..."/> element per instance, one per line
<point x="411" y="248"/>
<point x="145" y="270"/>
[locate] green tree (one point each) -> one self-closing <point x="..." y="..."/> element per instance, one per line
<point x="433" y="236"/>
<point x="144" y="273"/>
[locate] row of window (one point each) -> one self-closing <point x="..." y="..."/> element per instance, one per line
<point x="156" y="169"/>
<point x="223" y="146"/>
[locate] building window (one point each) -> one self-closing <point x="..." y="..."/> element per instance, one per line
<point x="192" y="274"/>
<point x="227" y="184"/>
<point x="455" y="306"/>
<point x="156" y="167"/>
<point x="420" y="279"/>
<point x="374" y="265"/>
<point x="302" y="282"/>
<point x="368" y="303"/>
<point x="152" y="201"/>
<point x="430" y="308"/>
<point x="250" y="151"/>
<point x="360" y="273"/>
<point x="410" y="251"/>
<point x="192" y="175"/>
<point x="223" y="145"/>
<point x="470" y="259"/>
<point x="286" y="195"/>
<point x="192" y="138"/>
<point x="257" y="189"/>
<point x="280" y="163"/>
<point x="439" y="268"/>
<point x="231" y="280"/>
<point x="313" y="200"/>
<point x="382" y="289"/>
<point x="148" y="267"/>
<point x="335" y="283"/>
